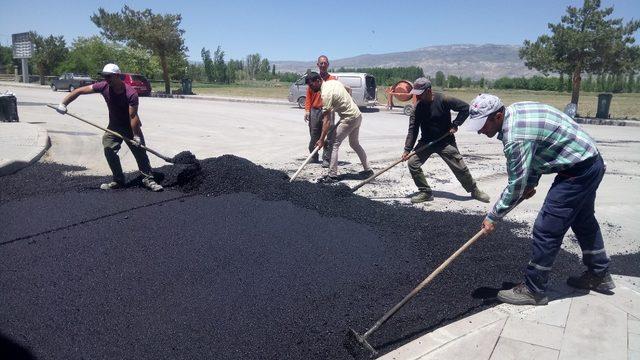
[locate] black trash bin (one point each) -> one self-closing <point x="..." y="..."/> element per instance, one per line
<point x="8" y="108"/>
<point x="186" y="86"/>
<point x="604" y="103"/>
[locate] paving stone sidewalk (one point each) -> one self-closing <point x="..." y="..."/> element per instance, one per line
<point x="575" y="325"/>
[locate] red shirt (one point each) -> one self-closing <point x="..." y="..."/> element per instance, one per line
<point x="118" y="104"/>
<point x="314" y="100"/>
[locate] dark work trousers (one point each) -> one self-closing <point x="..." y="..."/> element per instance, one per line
<point x="569" y="204"/>
<point x="451" y="156"/>
<point x="112" y="144"/>
<point x="315" y="130"/>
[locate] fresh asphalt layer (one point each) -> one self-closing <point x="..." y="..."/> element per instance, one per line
<point x="233" y="262"/>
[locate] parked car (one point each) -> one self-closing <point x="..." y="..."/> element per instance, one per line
<point x="70" y="81"/>
<point x="363" y="89"/>
<point x="138" y="82"/>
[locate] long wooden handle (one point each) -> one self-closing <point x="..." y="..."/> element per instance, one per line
<point x="368" y="180"/>
<point x="424" y="283"/>
<point x="315" y="151"/>
<point x="165" y="158"/>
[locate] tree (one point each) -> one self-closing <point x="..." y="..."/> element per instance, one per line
<point x="264" y="70"/>
<point x="253" y="65"/>
<point x="439" y="79"/>
<point x="454" y="81"/>
<point x="160" y="34"/>
<point x="89" y="55"/>
<point x="585" y="40"/>
<point x="6" y="58"/>
<point x="49" y="53"/>
<point x="208" y="64"/>
<point x="219" y="67"/>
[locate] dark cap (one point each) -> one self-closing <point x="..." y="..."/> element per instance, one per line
<point x="420" y="85"/>
<point x="311" y="76"/>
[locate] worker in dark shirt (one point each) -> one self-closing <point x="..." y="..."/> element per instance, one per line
<point x="122" y="101"/>
<point x="432" y="117"/>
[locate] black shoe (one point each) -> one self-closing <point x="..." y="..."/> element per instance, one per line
<point x="365" y="174"/>
<point x="328" y="179"/>
<point x="325" y="164"/>
<point x="591" y="281"/>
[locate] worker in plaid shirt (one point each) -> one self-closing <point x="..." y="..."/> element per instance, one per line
<point x="539" y="139"/>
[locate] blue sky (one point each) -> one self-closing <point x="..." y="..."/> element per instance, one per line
<point x="299" y="30"/>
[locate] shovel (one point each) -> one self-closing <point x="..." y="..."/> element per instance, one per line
<point x="368" y="180"/>
<point x="185" y="157"/>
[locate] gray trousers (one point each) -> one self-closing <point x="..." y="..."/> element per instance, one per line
<point x="315" y="130"/>
<point x="451" y="156"/>
<point x="351" y="130"/>
<point x="112" y="144"/>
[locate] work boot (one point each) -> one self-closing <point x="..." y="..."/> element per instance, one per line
<point x="480" y="195"/>
<point x="422" y="197"/>
<point x="111" y="185"/>
<point x="325" y="164"/>
<point x="328" y="179"/>
<point x="521" y="295"/>
<point x="152" y="185"/>
<point x="591" y="281"/>
<point x="366" y="174"/>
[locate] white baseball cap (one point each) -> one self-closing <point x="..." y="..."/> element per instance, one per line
<point x="110" y="69"/>
<point x="480" y="109"/>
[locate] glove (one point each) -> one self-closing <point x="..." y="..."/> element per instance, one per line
<point x="62" y="108"/>
<point x="136" y="141"/>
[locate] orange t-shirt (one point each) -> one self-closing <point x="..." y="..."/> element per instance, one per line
<point x="314" y="100"/>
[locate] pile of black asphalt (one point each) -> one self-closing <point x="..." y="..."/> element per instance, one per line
<point x="232" y="261"/>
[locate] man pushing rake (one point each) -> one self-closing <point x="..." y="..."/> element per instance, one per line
<point x="122" y="101"/>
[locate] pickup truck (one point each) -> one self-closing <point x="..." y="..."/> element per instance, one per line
<point x="70" y="81"/>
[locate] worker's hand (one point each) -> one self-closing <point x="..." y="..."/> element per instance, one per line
<point x="405" y="156"/>
<point x="137" y="141"/>
<point x="453" y="130"/>
<point x="488" y="226"/>
<point x="62" y="108"/>
<point x="306" y="116"/>
<point x="528" y="193"/>
<point x="320" y="143"/>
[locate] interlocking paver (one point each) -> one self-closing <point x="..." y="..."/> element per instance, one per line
<point x="509" y="349"/>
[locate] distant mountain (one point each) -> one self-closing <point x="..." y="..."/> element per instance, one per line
<point x="489" y="61"/>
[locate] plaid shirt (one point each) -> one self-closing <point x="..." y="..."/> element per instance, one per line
<point x="538" y="139"/>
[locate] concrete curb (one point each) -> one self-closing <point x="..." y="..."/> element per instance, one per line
<point x="23" y="85"/>
<point x="23" y="155"/>
<point x="227" y="99"/>
<point x="610" y="122"/>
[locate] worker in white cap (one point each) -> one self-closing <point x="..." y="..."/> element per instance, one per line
<point x="540" y="139"/>
<point x="122" y="101"/>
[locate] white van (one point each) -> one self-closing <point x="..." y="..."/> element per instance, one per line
<point x="363" y="89"/>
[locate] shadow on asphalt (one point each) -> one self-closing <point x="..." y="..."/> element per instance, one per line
<point x="11" y="350"/>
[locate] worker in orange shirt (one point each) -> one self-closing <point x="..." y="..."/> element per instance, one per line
<point x="313" y="115"/>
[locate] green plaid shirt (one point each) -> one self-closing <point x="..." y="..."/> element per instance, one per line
<point x="538" y="139"/>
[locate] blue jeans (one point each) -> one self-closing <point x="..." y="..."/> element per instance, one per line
<point x="569" y="204"/>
